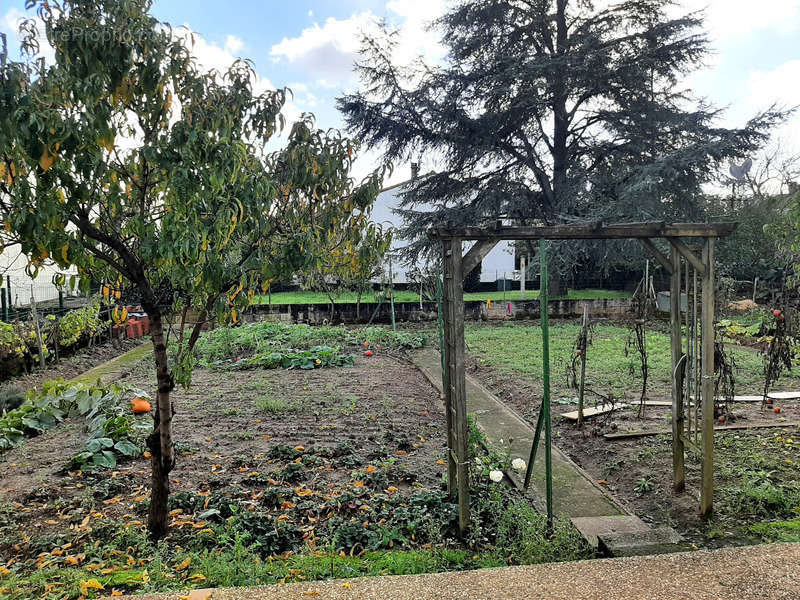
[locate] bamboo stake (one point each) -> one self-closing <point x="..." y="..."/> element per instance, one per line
<point x="584" y="349"/>
<point x="678" y="450"/>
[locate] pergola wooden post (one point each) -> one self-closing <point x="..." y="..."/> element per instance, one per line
<point x="456" y="265"/>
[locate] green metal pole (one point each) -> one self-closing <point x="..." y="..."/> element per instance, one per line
<point x="5" y="306"/>
<point x="8" y="292"/>
<point x="532" y="457"/>
<point x="60" y="303"/>
<point x="548" y="457"/>
<point x="391" y="292"/>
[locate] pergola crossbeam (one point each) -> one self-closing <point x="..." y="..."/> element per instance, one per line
<point x="587" y="231"/>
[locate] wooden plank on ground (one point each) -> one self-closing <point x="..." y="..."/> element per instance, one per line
<point x="759" y="397"/>
<point x="783" y="395"/>
<point x="593" y="412"/>
<point x="633" y="434"/>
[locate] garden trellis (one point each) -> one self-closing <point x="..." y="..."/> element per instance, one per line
<point x="456" y="264"/>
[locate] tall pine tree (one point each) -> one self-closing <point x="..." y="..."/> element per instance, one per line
<point x="550" y="111"/>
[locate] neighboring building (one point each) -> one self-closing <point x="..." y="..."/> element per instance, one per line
<point x="498" y="264"/>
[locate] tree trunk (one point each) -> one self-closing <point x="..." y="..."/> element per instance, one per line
<point x="159" y="442"/>
<point x="555" y="282"/>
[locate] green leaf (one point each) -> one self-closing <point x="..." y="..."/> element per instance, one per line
<point x="127" y="448"/>
<point x="105" y="459"/>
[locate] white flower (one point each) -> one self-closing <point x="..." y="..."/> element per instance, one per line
<point x="518" y="464"/>
<point x="496" y="476"/>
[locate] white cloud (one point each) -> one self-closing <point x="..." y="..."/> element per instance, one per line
<point x="781" y="85"/>
<point x="233" y="44"/>
<point x="729" y="19"/>
<point x="327" y="52"/>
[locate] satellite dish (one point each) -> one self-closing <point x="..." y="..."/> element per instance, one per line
<point x="739" y="172"/>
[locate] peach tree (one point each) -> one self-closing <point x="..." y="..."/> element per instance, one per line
<point x="124" y="158"/>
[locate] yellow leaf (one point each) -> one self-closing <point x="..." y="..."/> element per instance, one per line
<point x="92" y="584"/>
<point x="184" y="565"/>
<point x="7" y="226"/>
<point x="61" y="197"/>
<point x="197" y="577"/>
<point x="47" y="159"/>
<point x="64" y="250"/>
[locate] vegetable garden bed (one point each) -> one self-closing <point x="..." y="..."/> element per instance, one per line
<point x="282" y="475"/>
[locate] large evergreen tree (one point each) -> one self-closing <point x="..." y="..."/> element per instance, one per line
<point x="549" y="111"/>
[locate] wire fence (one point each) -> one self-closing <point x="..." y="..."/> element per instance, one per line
<point x="19" y="295"/>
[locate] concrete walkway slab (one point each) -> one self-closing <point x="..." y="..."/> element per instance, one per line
<point x="575" y="495"/>
<point x="751" y="573"/>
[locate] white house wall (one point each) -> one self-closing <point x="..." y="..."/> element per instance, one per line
<point x="500" y="260"/>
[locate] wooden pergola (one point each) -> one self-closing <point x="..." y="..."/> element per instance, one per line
<point x="456" y="265"/>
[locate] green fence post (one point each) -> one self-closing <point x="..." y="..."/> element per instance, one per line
<point x="8" y="293"/>
<point x="548" y="457"/>
<point x="4" y="304"/>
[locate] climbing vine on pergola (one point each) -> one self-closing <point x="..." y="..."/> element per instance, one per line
<point x="456" y="264"/>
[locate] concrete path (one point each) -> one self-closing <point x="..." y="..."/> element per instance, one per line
<point x="750" y="573"/>
<point x="575" y="495"/>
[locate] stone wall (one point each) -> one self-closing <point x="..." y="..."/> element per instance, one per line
<point x="316" y="314"/>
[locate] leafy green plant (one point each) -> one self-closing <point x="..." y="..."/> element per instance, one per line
<point x="316" y="357"/>
<point x="113" y="434"/>
<point x="44" y="409"/>
<point x="644" y="484"/>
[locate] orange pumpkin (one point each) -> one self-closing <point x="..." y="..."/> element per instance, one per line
<point x="140" y="406"/>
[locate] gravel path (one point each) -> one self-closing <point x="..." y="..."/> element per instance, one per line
<point x="770" y="572"/>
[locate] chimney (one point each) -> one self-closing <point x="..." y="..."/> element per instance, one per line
<point x="414" y="170"/>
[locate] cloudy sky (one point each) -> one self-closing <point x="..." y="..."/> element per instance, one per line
<point x="310" y="46"/>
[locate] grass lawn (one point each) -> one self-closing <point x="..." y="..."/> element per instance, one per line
<point x="517" y="349"/>
<point x="409" y="296"/>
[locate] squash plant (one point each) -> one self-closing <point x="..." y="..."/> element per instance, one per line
<point x="124" y="158"/>
<point x="112" y="434"/>
<point x="44" y="409"/>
